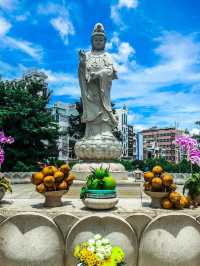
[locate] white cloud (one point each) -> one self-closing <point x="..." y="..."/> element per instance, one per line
<point x="60" y="19"/>
<point x="26" y="47"/>
<point x="62" y="83"/>
<point x="128" y="3"/>
<point x="8" y="4"/>
<point x="115" y="10"/>
<point x="149" y="89"/>
<point x="23" y="17"/>
<point x="4" y="26"/>
<point x="64" y="27"/>
<point x="123" y="57"/>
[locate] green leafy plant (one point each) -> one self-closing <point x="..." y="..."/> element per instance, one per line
<point x="5" y="184"/>
<point x="192" y="184"/>
<point x="95" y="180"/>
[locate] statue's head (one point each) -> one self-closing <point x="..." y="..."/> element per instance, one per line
<point x="98" y="37"/>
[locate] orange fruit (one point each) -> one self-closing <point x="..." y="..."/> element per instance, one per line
<point x="167" y="179"/>
<point x="49" y="170"/>
<point x="62" y="186"/>
<point x="156" y="182"/>
<point x="147" y="186"/>
<point x="157" y="169"/>
<point x="49" y="181"/>
<point x="41" y="188"/>
<point x="65" y="168"/>
<point x="166" y="203"/>
<point x="184" y="202"/>
<point x="175" y="197"/>
<point x="70" y="177"/>
<point x="37" y="178"/>
<point x="53" y="188"/>
<point x="58" y="175"/>
<point x="148" y="176"/>
<point x="173" y="187"/>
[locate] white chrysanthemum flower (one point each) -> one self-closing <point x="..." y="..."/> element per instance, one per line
<point x="108" y="253"/>
<point x="97" y="237"/>
<point x="98" y="243"/>
<point x="91" y="242"/>
<point x="100" y="255"/>
<point x="105" y="241"/>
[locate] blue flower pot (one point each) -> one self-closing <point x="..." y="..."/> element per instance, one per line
<point x="101" y="194"/>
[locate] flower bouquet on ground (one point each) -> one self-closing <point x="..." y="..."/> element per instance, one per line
<point x="98" y="251"/>
<point x="100" y="190"/>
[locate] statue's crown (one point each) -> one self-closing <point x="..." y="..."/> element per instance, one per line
<point x="98" y="29"/>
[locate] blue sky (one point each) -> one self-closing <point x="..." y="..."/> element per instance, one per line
<point x="155" y="46"/>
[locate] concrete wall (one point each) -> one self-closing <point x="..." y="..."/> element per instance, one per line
<point x="31" y="239"/>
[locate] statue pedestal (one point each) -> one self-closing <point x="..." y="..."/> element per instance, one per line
<point x="117" y="170"/>
<point x="101" y="147"/>
<point x="96" y="151"/>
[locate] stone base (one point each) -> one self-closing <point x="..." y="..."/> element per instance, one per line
<point x="53" y="198"/>
<point x="100" y="204"/>
<point x="117" y="170"/>
<point x="98" y="148"/>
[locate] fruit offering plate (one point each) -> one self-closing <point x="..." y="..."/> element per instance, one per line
<point x="54" y="198"/>
<point x="156" y="197"/>
<point x="101" y="194"/>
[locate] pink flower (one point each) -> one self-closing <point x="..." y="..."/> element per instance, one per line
<point x="191" y="147"/>
<point x="4" y="139"/>
<point x="194" y="156"/>
<point x="1" y="156"/>
<point x="187" y="143"/>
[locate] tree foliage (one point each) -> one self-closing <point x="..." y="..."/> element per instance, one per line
<point x="25" y="116"/>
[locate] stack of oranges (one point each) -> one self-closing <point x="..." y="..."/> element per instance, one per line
<point x="51" y="178"/>
<point x="158" y="180"/>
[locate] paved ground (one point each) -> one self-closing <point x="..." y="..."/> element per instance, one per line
<point x="27" y="191"/>
<point x="25" y="199"/>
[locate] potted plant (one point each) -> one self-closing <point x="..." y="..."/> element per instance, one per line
<point x="4" y="186"/>
<point x="53" y="183"/>
<point x="100" y="190"/>
<point x="4" y="182"/>
<point x="192" y="184"/>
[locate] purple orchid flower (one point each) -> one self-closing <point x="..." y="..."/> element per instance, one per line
<point x="4" y="139"/>
<point x="190" y="145"/>
<point x="194" y="156"/>
<point x="186" y="142"/>
<point x="1" y="156"/>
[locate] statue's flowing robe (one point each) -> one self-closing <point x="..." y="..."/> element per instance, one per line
<point x="95" y="93"/>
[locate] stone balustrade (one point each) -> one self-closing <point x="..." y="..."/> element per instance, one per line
<point x="35" y="239"/>
<point x="24" y="177"/>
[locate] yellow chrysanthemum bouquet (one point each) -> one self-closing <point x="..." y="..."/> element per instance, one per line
<point x="98" y="251"/>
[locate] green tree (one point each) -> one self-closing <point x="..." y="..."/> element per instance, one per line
<point x="25" y="116"/>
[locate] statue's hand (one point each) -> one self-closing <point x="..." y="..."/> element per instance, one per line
<point x="82" y="56"/>
<point x="94" y="75"/>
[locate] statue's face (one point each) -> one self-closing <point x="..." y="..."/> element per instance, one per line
<point x="98" y="42"/>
